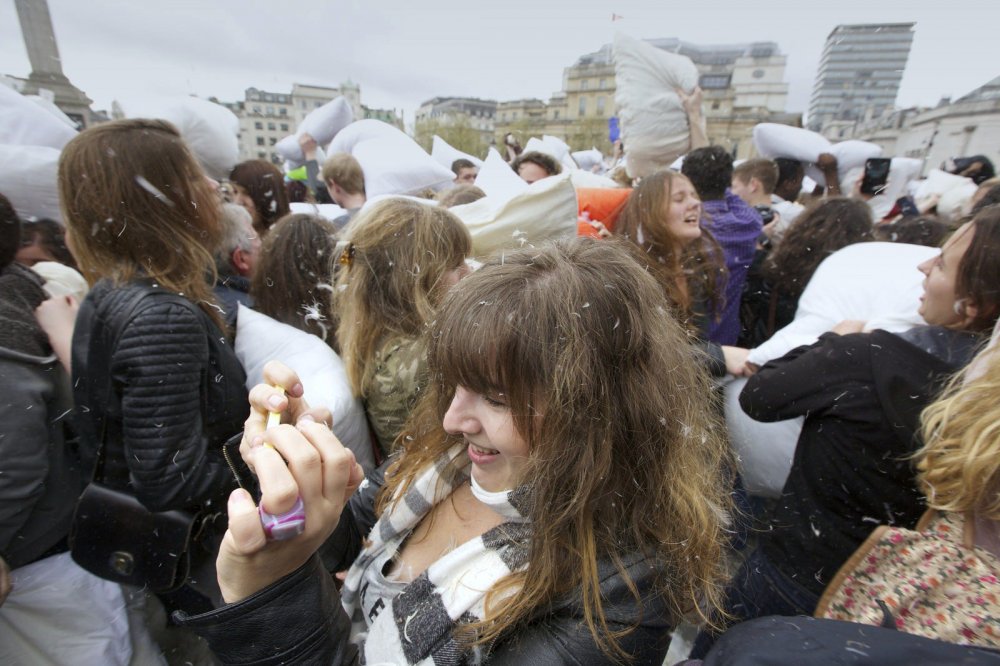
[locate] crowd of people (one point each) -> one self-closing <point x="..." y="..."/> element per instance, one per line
<point x="548" y="476"/>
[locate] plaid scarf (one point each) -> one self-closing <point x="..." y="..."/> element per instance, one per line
<point x="417" y="626"/>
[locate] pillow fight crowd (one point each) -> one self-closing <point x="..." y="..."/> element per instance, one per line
<point x="530" y="457"/>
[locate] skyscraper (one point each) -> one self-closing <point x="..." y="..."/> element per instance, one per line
<point x="860" y="70"/>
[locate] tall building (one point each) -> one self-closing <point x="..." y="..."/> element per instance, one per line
<point x="476" y="117"/>
<point x="859" y="73"/>
<point x="743" y="85"/>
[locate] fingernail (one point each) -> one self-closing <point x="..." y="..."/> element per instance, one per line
<point x="305" y="418"/>
<point x="297" y="390"/>
<point x="239" y="499"/>
<point x="274" y="401"/>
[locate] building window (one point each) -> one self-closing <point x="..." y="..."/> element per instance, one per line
<point x="319" y="104"/>
<point x="584" y="84"/>
<point x="555" y="115"/>
<point x="282" y="111"/>
<point x="284" y="127"/>
<point x="583" y="106"/>
<point x="270" y="126"/>
<point x="260" y="141"/>
<point x="714" y="81"/>
<point x="514" y="117"/>
<point x="715" y="106"/>
<point x="503" y="117"/>
<point x="261" y="154"/>
<point x="603" y="84"/>
<point x="272" y="141"/>
<point x="600" y="106"/>
<point x="270" y="110"/>
<point x="258" y="125"/>
<point x="256" y="109"/>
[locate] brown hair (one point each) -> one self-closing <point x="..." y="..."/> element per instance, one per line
<point x="626" y="452"/>
<point x="765" y="171"/>
<point x="266" y="187"/>
<point x="345" y="171"/>
<point x="460" y="195"/>
<point x="546" y="162"/>
<point x="978" y="280"/>
<point x="293" y="280"/>
<point x="701" y="262"/>
<point x="135" y="201"/>
<point x="398" y="252"/>
<point x="817" y="233"/>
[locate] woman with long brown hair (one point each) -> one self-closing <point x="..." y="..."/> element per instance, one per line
<point x="157" y="385"/>
<point x="560" y="497"/>
<point x="662" y="218"/>
<point x="259" y="187"/>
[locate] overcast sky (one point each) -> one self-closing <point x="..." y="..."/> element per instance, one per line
<point x="403" y="52"/>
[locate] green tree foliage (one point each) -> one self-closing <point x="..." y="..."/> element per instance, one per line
<point x="456" y="130"/>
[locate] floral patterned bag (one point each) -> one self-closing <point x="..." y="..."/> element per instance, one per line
<point x="931" y="581"/>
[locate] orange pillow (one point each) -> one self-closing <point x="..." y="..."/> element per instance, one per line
<point x="603" y="204"/>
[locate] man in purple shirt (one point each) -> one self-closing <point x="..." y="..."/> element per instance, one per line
<point x="733" y="223"/>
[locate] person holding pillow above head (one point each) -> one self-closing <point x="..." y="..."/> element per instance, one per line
<point x="400" y="259"/>
<point x="861" y="395"/>
<point x="662" y="218"/>
<point x="560" y="496"/>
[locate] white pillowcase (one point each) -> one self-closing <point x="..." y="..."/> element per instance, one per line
<point x="850" y="155"/>
<point x="553" y="147"/>
<point x="774" y="140"/>
<point x="260" y="339"/>
<point x="444" y="153"/>
<point x="398" y="165"/>
<point x="588" y="159"/>
<point x="654" y="125"/>
<point x="210" y="130"/>
<point x="28" y="177"/>
<point x="322" y="124"/>
<point x="21" y="123"/>
<point x="358" y="131"/>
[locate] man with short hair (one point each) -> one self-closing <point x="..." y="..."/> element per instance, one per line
<point x="465" y="171"/>
<point x="754" y="181"/>
<point x="533" y="166"/>
<point x="345" y="181"/>
<point x="735" y="226"/>
<point x="235" y="260"/>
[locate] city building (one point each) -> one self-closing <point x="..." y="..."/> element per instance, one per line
<point x="469" y="121"/>
<point x="859" y="74"/>
<point x="743" y="85"/>
<point x="968" y="126"/>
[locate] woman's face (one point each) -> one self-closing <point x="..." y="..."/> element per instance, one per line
<point x="938" y="304"/>
<point x="497" y="450"/>
<point x="242" y="198"/>
<point x="682" y="210"/>
<point x="29" y="255"/>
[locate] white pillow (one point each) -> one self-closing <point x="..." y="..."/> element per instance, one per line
<point x="51" y="108"/>
<point x="444" y="153"/>
<point x="877" y="283"/>
<point x="938" y="182"/>
<point x="588" y="159"/>
<point x="323" y="124"/>
<point x="398" y="165"/>
<point x="957" y="201"/>
<point x="554" y="148"/>
<point x="22" y="124"/>
<point x="361" y="130"/>
<point x="654" y="126"/>
<point x="544" y="210"/>
<point x="497" y="179"/>
<point x="850" y="155"/>
<point x="583" y="178"/>
<point x="902" y="171"/>
<point x="28" y="177"/>
<point x="61" y="280"/>
<point x="327" y="211"/>
<point x="210" y="130"/>
<point x="260" y="339"/>
<point x="773" y="140"/>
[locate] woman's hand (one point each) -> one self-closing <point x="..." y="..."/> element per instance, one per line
<point x="736" y="358"/>
<point x="848" y="326"/>
<point x="287" y="400"/>
<point x="57" y="317"/>
<point x="304" y="461"/>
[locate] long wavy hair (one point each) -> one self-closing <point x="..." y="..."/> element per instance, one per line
<point x="815" y="235"/>
<point x="978" y="280"/>
<point x="681" y="269"/>
<point x="265" y="185"/>
<point x="293" y="280"/>
<point x="959" y="467"/>
<point x="396" y="255"/>
<point x="136" y="202"/>
<point x="626" y="451"/>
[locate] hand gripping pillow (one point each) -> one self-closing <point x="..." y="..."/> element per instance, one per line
<point x="544" y="210"/>
<point x="322" y="124"/>
<point x="21" y="124"/>
<point x="210" y="130"/>
<point x="444" y="153"/>
<point x="877" y="283"/>
<point x="28" y="177"/>
<point x="850" y="155"/>
<point x="260" y="339"/>
<point x="398" y="165"/>
<point x="654" y="126"/>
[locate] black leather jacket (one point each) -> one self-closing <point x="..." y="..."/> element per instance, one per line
<point x="299" y="619"/>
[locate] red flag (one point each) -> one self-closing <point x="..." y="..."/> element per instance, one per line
<point x="616" y="17"/>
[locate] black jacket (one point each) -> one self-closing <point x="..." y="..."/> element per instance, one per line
<point x="177" y="394"/>
<point x="862" y="395"/>
<point x="299" y="619"/>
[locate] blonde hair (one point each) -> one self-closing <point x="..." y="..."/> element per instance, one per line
<point x="344" y="170"/>
<point x="136" y="202"/>
<point x="959" y="467"/>
<point x="397" y="253"/>
<point x="626" y="452"/>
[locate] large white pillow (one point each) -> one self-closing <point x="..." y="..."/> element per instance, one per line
<point x="588" y="159"/>
<point x="322" y="124"/>
<point x="260" y="339"/>
<point x="28" y="177"/>
<point x="444" y="153"/>
<point x="774" y="140"/>
<point x="358" y="131"/>
<point x="544" y="210"/>
<point x="51" y="108"/>
<point x="22" y="124"/>
<point x="850" y="154"/>
<point x="877" y="283"/>
<point x="210" y="130"/>
<point x="398" y="165"/>
<point x="654" y="126"/>
<point x="553" y="147"/>
<point x="583" y="178"/>
<point x="938" y="182"/>
<point x="497" y="179"/>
